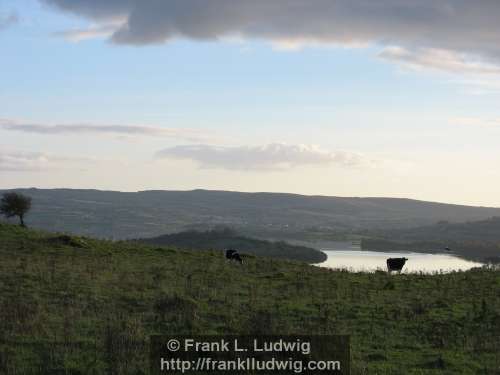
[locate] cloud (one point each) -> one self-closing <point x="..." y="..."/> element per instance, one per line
<point x="439" y="59"/>
<point x="8" y="20"/>
<point x="275" y="156"/>
<point x="454" y="25"/>
<point x="22" y="161"/>
<point x="120" y="130"/>
<point x="94" y="31"/>
<point x="476" y="121"/>
<point x="479" y="85"/>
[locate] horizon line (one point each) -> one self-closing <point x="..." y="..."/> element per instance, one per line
<point x="250" y="192"/>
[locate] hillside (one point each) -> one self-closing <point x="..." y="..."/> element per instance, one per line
<point x="483" y="230"/>
<point x="109" y="214"/>
<point x="225" y="239"/>
<point x="478" y="240"/>
<point x="83" y="306"/>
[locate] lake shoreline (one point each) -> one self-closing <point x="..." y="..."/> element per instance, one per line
<point x="358" y="260"/>
<point x="412" y="251"/>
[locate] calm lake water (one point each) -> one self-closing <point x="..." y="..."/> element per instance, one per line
<point x="359" y="260"/>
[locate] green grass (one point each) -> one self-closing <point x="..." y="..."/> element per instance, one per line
<point x="72" y="305"/>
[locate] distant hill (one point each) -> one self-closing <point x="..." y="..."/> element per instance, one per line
<point x="224" y="239"/>
<point x="475" y="240"/>
<point x="120" y="215"/>
<point x="484" y="230"/>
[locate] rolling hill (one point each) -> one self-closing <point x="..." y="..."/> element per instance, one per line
<point x="226" y="239"/>
<point x="482" y="230"/>
<point x="121" y="215"/>
<point x="477" y="240"/>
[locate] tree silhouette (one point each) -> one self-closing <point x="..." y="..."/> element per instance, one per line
<point x="15" y="204"/>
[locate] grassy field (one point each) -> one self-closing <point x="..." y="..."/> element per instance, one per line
<point x="71" y="305"/>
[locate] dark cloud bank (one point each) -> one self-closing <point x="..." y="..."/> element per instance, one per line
<point x="456" y="25"/>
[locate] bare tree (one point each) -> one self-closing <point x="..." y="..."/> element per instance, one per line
<point x="15" y="204"/>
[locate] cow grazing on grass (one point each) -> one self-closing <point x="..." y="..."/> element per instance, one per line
<point x="233" y="255"/>
<point x="395" y="264"/>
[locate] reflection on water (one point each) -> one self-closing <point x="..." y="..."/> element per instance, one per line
<point x="357" y="260"/>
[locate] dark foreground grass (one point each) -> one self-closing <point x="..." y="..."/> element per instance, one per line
<point x="81" y="306"/>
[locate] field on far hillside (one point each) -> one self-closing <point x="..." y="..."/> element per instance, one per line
<point x="82" y="306"/>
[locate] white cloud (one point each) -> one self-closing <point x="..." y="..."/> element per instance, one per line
<point x="474" y="85"/>
<point x="297" y="44"/>
<point x="120" y="130"/>
<point x="22" y="161"/>
<point x="91" y="32"/>
<point x="439" y="59"/>
<point x="476" y="121"/>
<point x="472" y="73"/>
<point x="275" y="156"/>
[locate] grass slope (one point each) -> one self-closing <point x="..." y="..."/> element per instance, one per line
<point x="82" y="306"/>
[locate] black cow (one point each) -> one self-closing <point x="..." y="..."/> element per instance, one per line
<point x="395" y="264"/>
<point x="233" y="255"/>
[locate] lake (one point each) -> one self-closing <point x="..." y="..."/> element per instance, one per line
<point x="359" y="260"/>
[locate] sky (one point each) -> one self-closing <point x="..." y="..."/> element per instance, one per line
<point x="393" y="98"/>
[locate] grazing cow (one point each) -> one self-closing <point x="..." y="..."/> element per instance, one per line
<point x="233" y="255"/>
<point x="395" y="264"/>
